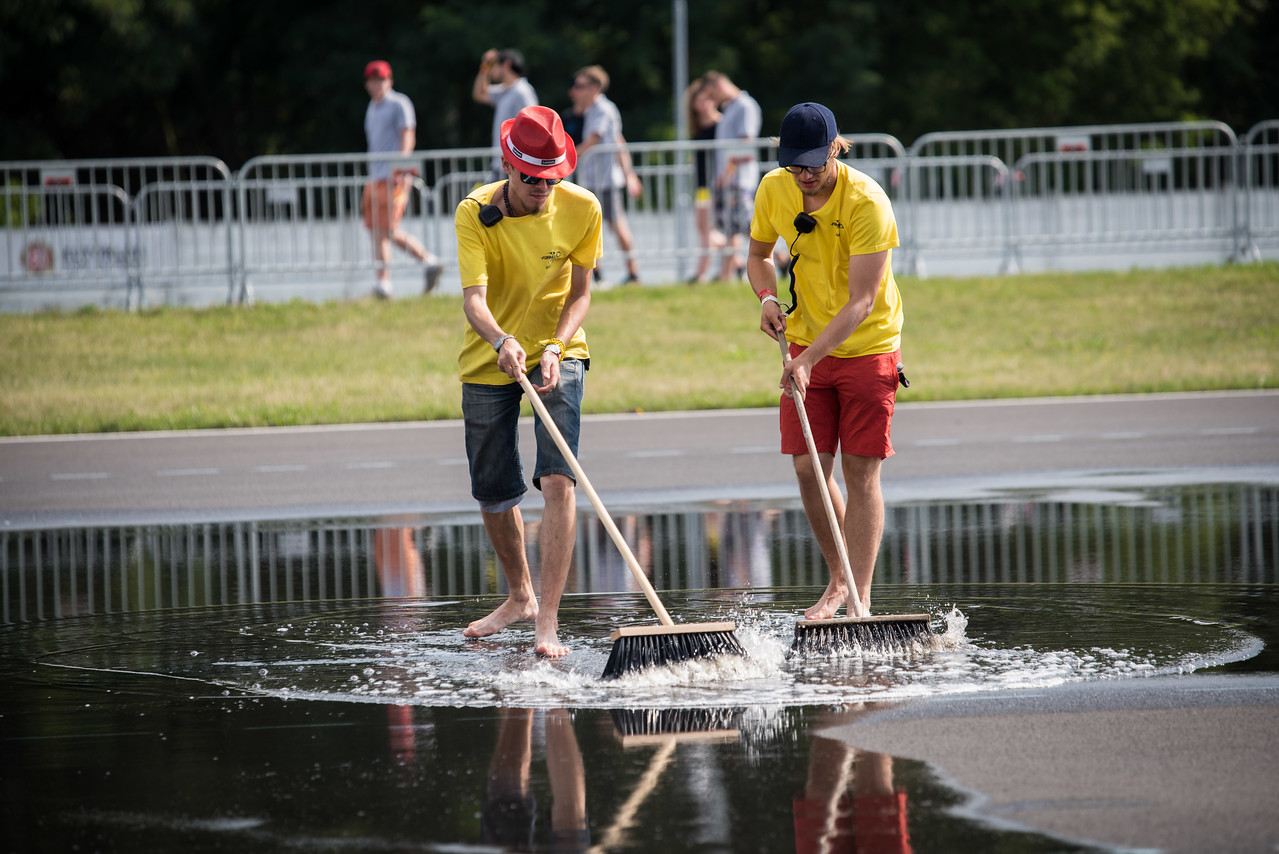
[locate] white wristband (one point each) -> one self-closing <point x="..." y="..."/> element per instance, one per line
<point x="770" y="298"/>
<point x="501" y="339"/>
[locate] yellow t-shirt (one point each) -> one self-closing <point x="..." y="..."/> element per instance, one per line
<point x="525" y="263"/>
<point x="856" y="220"/>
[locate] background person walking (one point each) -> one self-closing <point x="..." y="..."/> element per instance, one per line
<point x="390" y="125"/>
<point x="703" y="117"/>
<point x="736" y="170"/>
<point x="605" y="175"/>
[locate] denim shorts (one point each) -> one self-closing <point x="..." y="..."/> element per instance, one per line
<point x="491" y="414"/>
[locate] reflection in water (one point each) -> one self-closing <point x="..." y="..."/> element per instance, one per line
<point x="509" y="810"/>
<point x="849" y="802"/>
<point x="268" y="686"/>
<point x="1170" y="535"/>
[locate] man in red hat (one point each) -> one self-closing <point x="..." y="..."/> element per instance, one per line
<point x="526" y="246"/>
<point x="390" y="127"/>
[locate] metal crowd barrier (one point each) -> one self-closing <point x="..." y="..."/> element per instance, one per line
<point x="68" y="227"/>
<point x="1010" y="145"/>
<point x="1260" y="202"/>
<point x="1176" y="198"/>
<point x="956" y="205"/>
<point x="1212" y="533"/>
<point x="171" y="229"/>
<point x="1080" y="178"/>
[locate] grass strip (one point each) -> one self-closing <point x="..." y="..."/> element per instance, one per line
<point x="652" y="348"/>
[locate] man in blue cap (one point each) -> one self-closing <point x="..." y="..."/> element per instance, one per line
<point x="843" y="326"/>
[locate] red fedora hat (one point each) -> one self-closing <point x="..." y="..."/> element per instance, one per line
<point x="535" y="143"/>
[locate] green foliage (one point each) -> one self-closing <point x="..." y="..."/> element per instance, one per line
<point x="20" y="208"/>
<point x="234" y="78"/>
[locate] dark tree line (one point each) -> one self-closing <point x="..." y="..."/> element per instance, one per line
<point x="237" y="78"/>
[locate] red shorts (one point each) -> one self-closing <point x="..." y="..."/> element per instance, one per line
<point x="849" y="406"/>
<point x="384" y="203"/>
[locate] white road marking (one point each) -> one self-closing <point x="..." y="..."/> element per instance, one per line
<point x="1043" y="437"/>
<point x="280" y="468"/>
<point x="642" y="455"/>
<point x="1130" y="434"/>
<point x="185" y="472"/>
<point x="1228" y="431"/>
<point x="371" y="465"/>
<point x="936" y="443"/>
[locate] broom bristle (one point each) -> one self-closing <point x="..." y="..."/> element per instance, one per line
<point x="882" y="632"/>
<point x="654" y="646"/>
<point x="639" y="726"/>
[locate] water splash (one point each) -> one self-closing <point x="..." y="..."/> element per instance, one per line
<point x="399" y="652"/>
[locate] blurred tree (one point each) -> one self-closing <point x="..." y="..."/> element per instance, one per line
<point x="238" y="78"/>
<point x="1010" y="63"/>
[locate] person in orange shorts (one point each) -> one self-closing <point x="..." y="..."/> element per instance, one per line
<point x="390" y="126"/>
<point x="843" y="326"/>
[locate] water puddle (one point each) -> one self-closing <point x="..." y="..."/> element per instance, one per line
<point x="413" y="653"/>
<point x="304" y="684"/>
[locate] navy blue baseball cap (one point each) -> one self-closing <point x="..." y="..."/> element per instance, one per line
<point x="807" y="132"/>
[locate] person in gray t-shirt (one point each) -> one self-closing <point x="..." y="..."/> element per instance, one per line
<point x="501" y="84"/>
<point x="606" y="174"/>
<point x="737" y="170"/>
<point x="390" y="127"/>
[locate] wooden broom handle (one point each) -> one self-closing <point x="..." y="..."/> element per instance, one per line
<point x="854" y="603"/>
<point x="631" y="563"/>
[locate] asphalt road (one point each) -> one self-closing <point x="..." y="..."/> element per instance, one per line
<point x="943" y="450"/>
<point x="1170" y="765"/>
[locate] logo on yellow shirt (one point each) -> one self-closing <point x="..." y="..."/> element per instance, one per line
<point x="551" y="257"/>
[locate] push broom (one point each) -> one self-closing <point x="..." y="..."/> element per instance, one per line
<point x="664" y="729"/>
<point x="858" y="627"/>
<point x="639" y="647"/>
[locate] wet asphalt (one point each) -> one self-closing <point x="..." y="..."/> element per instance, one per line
<point x="1171" y="763"/>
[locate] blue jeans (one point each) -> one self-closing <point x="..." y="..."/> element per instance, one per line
<point x="491" y="414"/>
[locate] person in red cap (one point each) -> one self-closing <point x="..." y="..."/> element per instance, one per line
<point x="526" y="246"/>
<point x="844" y="326"/>
<point x="390" y="127"/>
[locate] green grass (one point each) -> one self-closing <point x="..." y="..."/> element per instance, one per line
<point x="657" y="348"/>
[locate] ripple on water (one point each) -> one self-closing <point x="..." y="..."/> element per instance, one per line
<point x="411" y="652"/>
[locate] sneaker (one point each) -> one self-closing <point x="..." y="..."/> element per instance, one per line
<point x="632" y="279"/>
<point x="382" y="290"/>
<point x="433" y="272"/>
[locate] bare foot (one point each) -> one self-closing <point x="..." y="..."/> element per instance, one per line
<point x="548" y="641"/>
<point x="827" y="606"/>
<point x="508" y="612"/>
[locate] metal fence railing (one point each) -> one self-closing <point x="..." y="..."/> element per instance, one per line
<point x="1211" y="533"/>
<point x="1259" y="213"/>
<point x="131" y="231"/>
<point x="1118" y="200"/>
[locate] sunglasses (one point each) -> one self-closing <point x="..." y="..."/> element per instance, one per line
<point x="811" y="170"/>
<point x="534" y="181"/>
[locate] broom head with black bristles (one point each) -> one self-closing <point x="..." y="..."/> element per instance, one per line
<point x="639" y="647"/>
<point x="883" y="632"/>
<point x="654" y="726"/>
